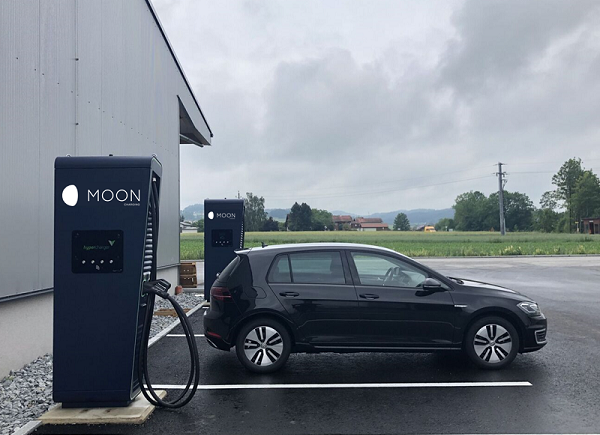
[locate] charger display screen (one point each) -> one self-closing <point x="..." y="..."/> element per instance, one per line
<point x="97" y="251"/>
<point x="222" y="238"/>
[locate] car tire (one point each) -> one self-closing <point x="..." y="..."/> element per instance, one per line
<point x="263" y="345"/>
<point x="492" y="343"/>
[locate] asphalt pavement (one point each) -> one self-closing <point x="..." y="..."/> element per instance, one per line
<point x="555" y="390"/>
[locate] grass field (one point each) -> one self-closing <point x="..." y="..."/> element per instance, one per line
<point x="418" y="244"/>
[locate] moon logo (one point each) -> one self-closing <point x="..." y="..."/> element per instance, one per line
<point x="70" y="195"/>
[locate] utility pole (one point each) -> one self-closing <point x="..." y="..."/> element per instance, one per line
<point x="501" y="181"/>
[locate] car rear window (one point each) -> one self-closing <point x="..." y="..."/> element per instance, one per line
<point x="280" y="271"/>
<point x="226" y="273"/>
<point x="317" y="268"/>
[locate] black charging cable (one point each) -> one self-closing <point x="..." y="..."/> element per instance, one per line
<point x="160" y="288"/>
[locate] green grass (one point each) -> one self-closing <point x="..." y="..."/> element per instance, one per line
<point x="417" y="244"/>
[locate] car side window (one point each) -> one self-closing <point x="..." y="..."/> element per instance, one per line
<point x="280" y="270"/>
<point x="317" y="268"/>
<point x="384" y="271"/>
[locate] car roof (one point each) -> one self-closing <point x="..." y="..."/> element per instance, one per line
<point x="276" y="249"/>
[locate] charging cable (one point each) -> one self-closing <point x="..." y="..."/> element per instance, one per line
<point x="160" y="288"/>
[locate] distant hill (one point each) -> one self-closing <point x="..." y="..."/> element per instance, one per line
<point x="193" y="212"/>
<point x="343" y="213"/>
<point x="416" y="217"/>
<point x="278" y="213"/>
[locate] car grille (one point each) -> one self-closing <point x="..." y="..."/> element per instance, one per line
<point x="540" y="336"/>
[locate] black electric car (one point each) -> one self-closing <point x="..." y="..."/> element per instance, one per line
<point x="339" y="297"/>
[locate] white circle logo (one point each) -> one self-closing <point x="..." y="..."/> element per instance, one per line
<point x="211" y="215"/>
<point x="70" y="195"/>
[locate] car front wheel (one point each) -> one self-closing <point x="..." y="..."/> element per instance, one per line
<point x="492" y="343"/>
<point x="263" y="345"/>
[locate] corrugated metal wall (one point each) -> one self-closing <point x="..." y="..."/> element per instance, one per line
<point x="80" y="77"/>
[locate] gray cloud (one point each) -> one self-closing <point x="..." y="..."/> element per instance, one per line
<point x="498" y="40"/>
<point x="316" y="101"/>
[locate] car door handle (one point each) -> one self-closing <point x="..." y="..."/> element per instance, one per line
<point x="289" y="294"/>
<point x="369" y="296"/>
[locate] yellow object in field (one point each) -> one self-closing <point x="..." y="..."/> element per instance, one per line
<point x="429" y="229"/>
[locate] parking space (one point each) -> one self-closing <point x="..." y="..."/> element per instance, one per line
<point x="555" y="390"/>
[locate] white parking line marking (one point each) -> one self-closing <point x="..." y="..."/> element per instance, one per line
<point x="365" y="385"/>
<point x="183" y="335"/>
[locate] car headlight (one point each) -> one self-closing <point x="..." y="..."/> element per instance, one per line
<point x="530" y="308"/>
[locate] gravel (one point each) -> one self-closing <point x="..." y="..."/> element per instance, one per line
<point x="186" y="300"/>
<point x="27" y="393"/>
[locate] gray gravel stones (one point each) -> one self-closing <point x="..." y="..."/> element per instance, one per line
<point x="186" y="300"/>
<point x="27" y="393"/>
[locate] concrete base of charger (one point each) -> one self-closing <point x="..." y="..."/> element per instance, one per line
<point x="136" y="413"/>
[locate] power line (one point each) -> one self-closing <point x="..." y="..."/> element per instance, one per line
<point x="532" y="172"/>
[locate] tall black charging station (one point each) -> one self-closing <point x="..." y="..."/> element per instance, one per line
<point x="105" y="245"/>
<point x="223" y="235"/>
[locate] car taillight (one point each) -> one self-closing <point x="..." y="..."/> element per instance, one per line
<point x="220" y="293"/>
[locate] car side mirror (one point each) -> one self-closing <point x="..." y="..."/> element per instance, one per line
<point x="432" y="285"/>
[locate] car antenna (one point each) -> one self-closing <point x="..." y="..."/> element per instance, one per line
<point x="262" y="244"/>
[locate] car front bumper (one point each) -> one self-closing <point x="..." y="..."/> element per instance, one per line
<point x="534" y="336"/>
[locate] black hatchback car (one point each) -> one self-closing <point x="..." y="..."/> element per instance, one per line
<point x="338" y="297"/>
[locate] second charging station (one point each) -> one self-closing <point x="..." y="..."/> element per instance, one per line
<point x="223" y="235"/>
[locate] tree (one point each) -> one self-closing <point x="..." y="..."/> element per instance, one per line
<point x="549" y="200"/>
<point x="445" y="224"/>
<point x="181" y="217"/>
<point x="401" y="223"/>
<point x="518" y="211"/>
<point x="565" y="181"/>
<point x="270" y="225"/>
<point x="473" y="212"/>
<point x="586" y="196"/>
<point x="545" y="220"/>
<point x="299" y="218"/>
<point x="254" y="212"/>
<point x="321" y="220"/>
<point x="200" y="225"/>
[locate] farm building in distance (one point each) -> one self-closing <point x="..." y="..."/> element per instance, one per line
<point x="340" y="220"/>
<point x="186" y="227"/>
<point x="359" y="224"/>
<point x="85" y="78"/>
<point x="590" y="225"/>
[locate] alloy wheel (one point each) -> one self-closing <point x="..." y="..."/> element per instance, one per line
<point x="263" y="346"/>
<point x="492" y="343"/>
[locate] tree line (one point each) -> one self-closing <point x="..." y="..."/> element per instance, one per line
<point x="576" y="196"/>
<point x="301" y="217"/>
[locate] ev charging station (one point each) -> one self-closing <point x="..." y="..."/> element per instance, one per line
<point x="223" y="235"/>
<point x="106" y="220"/>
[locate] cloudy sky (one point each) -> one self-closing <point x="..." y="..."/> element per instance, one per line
<point x="372" y="106"/>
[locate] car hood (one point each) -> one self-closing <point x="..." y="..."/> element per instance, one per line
<point x="485" y="285"/>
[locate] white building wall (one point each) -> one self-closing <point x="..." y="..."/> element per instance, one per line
<point x="79" y="77"/>
<point x="25" y="331"/>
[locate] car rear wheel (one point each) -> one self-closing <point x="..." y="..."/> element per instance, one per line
<point x="263" y="345"/>
<point x="492" y="343"/>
